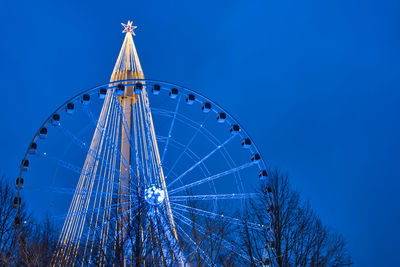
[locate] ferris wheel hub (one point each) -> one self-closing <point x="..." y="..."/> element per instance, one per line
<point x="154" y="195"/>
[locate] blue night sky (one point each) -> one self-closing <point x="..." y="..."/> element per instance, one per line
<point x="316" y="84"/>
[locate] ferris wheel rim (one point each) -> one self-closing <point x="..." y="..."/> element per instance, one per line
<point x="76" y="97"/>
<point x="216" y="108"/>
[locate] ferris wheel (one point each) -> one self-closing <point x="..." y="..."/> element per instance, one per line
<point x="141" y="170"/>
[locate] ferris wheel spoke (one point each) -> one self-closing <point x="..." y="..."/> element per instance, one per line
<point x="190" y="223"/>
<point x="93" y="153"/>
<point x="111" y="143"/>
<point x="166" y="169"/>
<point x="90" y="211"/>
<point x="170" y="130"/>
<point x="116" y="150"/>
<point x="193" y="244"/>
<point x="127" y="132"/>
<point x="187" y="145"/>
<point x="200" y="157"/>
<point x="110" y="140"/>
<point x="73" y="137"/>
<point x="90" y="114"/>
<point x="71" y="191"/>
<point x="211" y="178"/>
<point x="151" y="142"/>
<point x="179" y="117"/>
<point x="115" y="218"/>
<point x="224" y="153"/>
<point x="201" y="161"/>
<point x="189" y="153"/>
<point x="93" y="230"/>
<point x="80" y="171"/>
<point x="212" y="139"/>
<point x="129" y="223"/>
<point x="162" y="112"/>
<point x="210" y="214"/>
<point x="124" y="120"/>
<point x="213" y="197"/>
<point x="196" y="227"/>
<point x="161" y="221"/>
<point x="225" y="243"/>
<point x="115" y="172"/>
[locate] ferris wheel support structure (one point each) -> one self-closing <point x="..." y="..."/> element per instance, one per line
<point x="150" y="200"/>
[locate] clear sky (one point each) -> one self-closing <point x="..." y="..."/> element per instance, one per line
<point x="316" y="84"/>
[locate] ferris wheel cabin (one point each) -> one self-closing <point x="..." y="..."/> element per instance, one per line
<point x="263" y="175"/>
<point x="235" y="129"/>
<point x="246" y="143"/>
<point x="156" y="89"/>
<point x="33" y="148"/>
<point x="17" y="221"/>
<point x="221" y="117"/>
<point x="190" y="99"/>
<point x="268" y="189"/>
<point x="25" y="165"/>
<point x="43" y="133"/>
<point x="17" y="202"/>
<point x="138" y="88"/>
<point x="19" y="183"/>
<point x="120" y="89"/>
<point x="255" y="157"/>
<point x="55" y="119"/>
<point x="70" y="108"/>
<point x="85" y="99"/>
<point x="173" y="93"/>
<point x="102" y="93"/>
<point x="206" y="107"/>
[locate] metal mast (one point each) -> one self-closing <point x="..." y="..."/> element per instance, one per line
<point x="128" y="67"/>
<point x="123" y="160"/>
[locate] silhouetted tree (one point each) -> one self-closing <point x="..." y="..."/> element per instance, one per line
<point x="8" y="239"/>
<point x="23" y="242"/>
<point x="37" y="243"/>
<point x="278" y="230"/>
<point x="290" y="233"/>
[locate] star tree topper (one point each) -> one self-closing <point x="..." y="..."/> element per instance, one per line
<point x="128" y="27"/>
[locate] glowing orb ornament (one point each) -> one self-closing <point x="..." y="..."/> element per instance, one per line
<point x="154" y="195"/>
